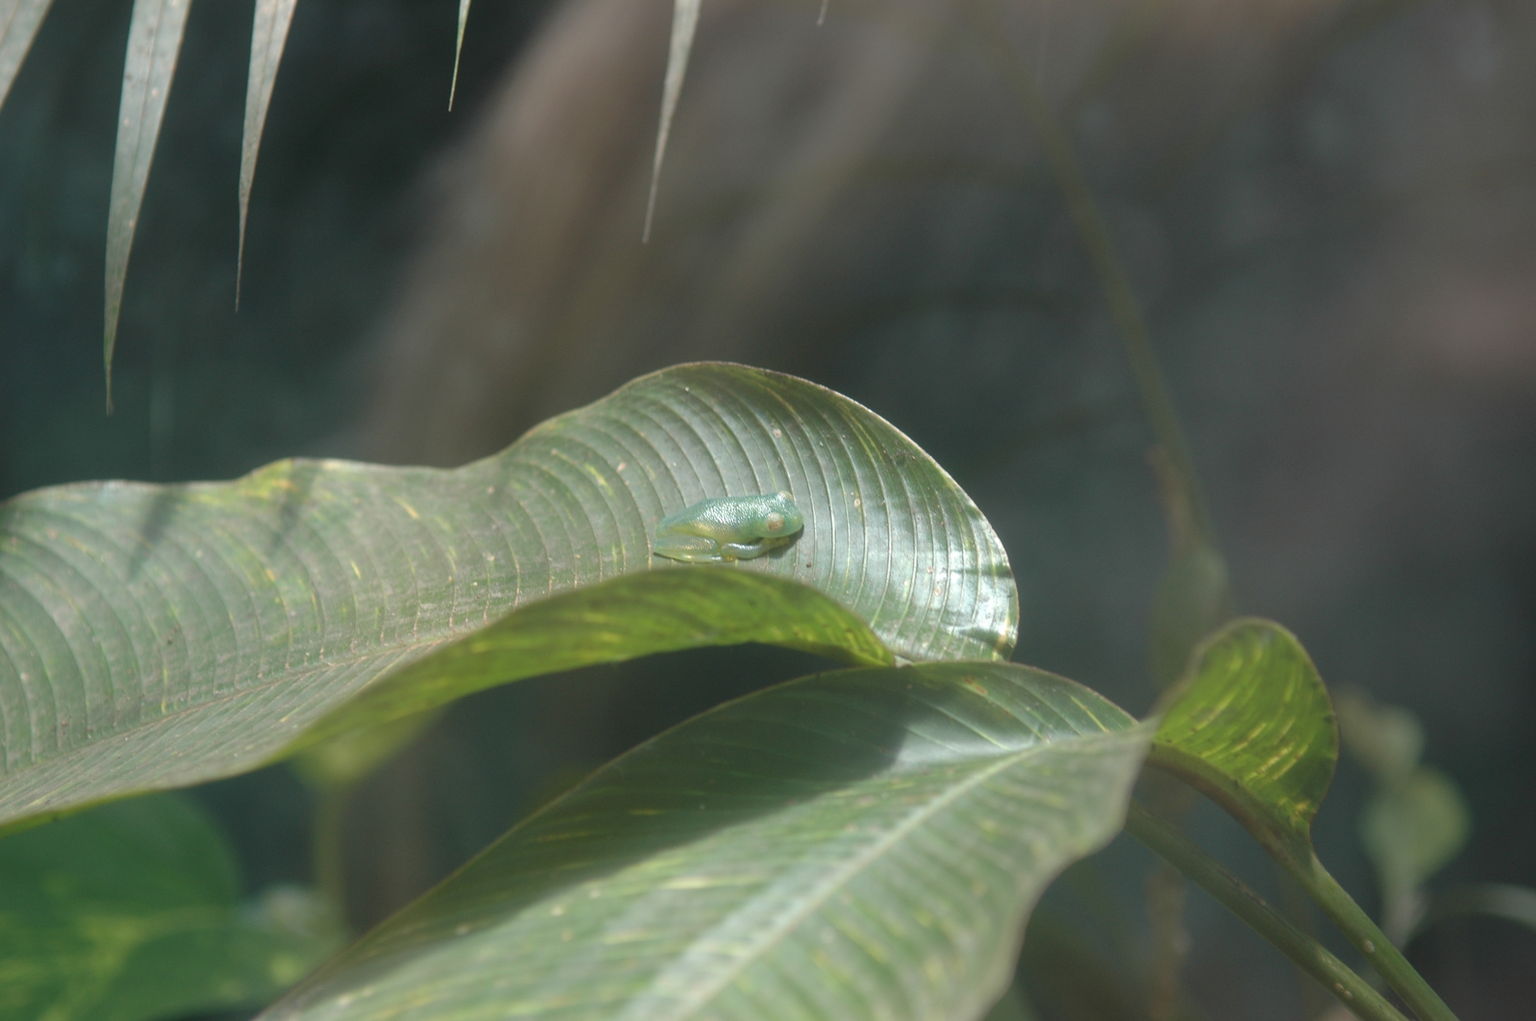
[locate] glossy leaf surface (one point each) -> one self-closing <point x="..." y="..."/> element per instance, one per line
<point x="154" y="636"/>
<point x="859" y="844"/>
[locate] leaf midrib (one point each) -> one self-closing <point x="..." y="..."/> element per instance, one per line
<point x="824" y="890"/>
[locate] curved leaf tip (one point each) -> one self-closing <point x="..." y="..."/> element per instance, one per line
<point x="1252" y="725"/>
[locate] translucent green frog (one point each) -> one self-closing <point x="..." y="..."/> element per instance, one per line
<point x="728" y="528"/>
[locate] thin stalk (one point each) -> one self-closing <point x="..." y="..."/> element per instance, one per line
<point x="1368" y="938"/>
<point x="1354" y="992"/>
<point x="1114" y="282"/>
<point x="326" y="819"/>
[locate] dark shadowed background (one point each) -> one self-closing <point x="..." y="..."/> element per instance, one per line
<point x="1326" y="208"/>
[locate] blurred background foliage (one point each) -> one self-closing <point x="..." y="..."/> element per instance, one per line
<point x="1327" y="209"/>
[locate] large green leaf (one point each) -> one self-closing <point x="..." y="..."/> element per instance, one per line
<point x="1252" y="726"/>
<point x="133" y="911"/>
<point x="865" y="843"/>
<point x="160" y="635"/>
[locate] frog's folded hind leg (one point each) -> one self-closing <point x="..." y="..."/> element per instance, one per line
<point x="688" y="548"/>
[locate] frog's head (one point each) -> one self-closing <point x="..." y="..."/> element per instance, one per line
<point x="783" y="518"/>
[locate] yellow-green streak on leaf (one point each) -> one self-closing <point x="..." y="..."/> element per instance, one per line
<point x="269" y="33"/>
<point x="1251" y="724"/>
<point x="154" y="41"/>
<point x="685" y="22"/>
<point x="458" y="48"/>
<point x="18" y="27"/>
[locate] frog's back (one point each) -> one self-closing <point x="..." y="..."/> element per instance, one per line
<point x="723" y="517"/>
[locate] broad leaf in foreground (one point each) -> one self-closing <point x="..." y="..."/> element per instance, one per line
<point x="1252" y="726"/>
<point x="152" y="636"/>
<point x="133" y="911"/>
<point x="865" y="843"/>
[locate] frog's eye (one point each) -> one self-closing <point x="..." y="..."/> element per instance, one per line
<point x="773" y="521"/>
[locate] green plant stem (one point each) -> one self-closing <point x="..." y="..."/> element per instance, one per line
<point x="1114" y="282"/>
<point x="326" y="821"/>
<point x="1367" y="937"/>
<point x="1312" y="957"/>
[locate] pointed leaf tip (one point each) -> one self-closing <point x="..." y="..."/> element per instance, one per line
<point x="685" y="23"/>
<point x="269" y="34"/>
<point x="154" y="42"/>
<point x="458" y="49"/>
<point x="18" y="27"/>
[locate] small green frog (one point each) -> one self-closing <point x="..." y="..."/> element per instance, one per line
<point x="728" y="528"/>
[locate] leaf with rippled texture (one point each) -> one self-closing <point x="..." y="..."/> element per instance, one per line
<point x="859" y="844"/>
<point x="155" y="636"/>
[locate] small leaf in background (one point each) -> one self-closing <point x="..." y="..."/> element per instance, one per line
<point x="458" y="48"/>
<point x="1252" y="726"/>
<point x="859" y="844"/>
<point x="1411" y="828"/>
<point x="19" y="20"/>
<point x="1514" y="904"/>
<point x="1387" y="739"/>
<point x="269" y="33"/>
<point x="685" y="22"/>
<point x="132" y="910"/>
<point x="1415" y="819"/>
<point x="154" y="42"/>
<point x="164" y="635"/>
